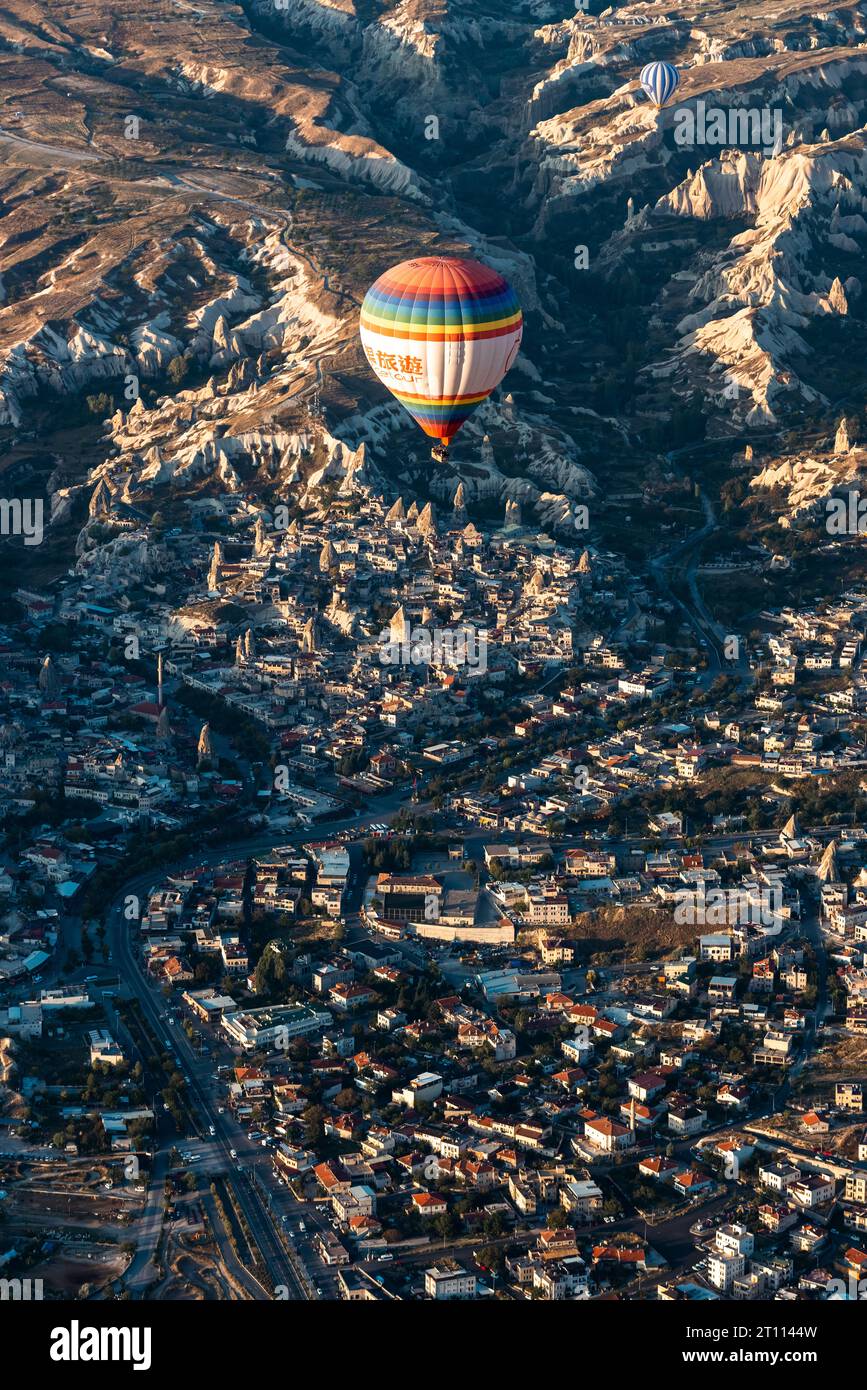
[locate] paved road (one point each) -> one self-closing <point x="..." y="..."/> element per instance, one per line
<point x="143" y="1269"/>
<point x="672" y="1239"/>
<point x="202" y="1101"/>
<point x="270" y="1209"/>
<point x="57" y="153"/>
<point x="238" y="1271"/>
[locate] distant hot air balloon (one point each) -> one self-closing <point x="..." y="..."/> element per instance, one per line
<point x="659" y="81"/>
<point x="441" y="332"/>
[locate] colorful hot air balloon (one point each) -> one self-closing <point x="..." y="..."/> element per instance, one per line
<point x="659" y="81"/>
<point x="441" y="332"/>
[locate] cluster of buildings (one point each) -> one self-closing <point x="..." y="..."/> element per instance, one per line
<point x="540" y="1029"/>
<point x="513" y="1099"/>
<point x="337" y="650"/>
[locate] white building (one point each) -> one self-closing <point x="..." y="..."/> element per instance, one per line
<point x="778" y="1176"/>
<point x="103" y="1048"/>
<point x="724" y="1268"/>
<point x="449" y="1280"/>
<point x="717" y="946"/>
<point x="423" y="1089"/>
<point x="547" y="907"/>
<point x="734" y="1239"/>
<point x="813" y="1190"/>
<point x="65" y="997"/>
<point x="272" y="1028"/>
<point x="607" y="1135"/>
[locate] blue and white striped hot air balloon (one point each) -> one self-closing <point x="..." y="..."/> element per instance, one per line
<point x="659" y="81"/>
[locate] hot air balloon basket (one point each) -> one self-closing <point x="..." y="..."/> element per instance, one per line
<point x="439" y="453"/>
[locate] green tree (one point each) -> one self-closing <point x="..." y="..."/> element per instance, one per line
<point x="312" y="1120"/>
<point x="444" y="1225"/>
<point x="177" y="370"/>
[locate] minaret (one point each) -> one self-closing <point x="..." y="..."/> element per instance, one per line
<point x="159" y="679"/>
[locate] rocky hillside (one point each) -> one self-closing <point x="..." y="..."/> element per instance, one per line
<point x="194" y="198"/>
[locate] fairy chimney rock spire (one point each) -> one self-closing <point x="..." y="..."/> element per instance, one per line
<point x="49" y="681"/>
<point x="843" y="437"/>
<point x="100" y="499"/>
<point x="216" y="564"/>
<point x="829" y="871"/>
<point x="204" y="750"/>
<point x="327" y="557"/>
<point x="398" y="627"/>
<point x="513" y="512"/>
<point x="426" y="523"/>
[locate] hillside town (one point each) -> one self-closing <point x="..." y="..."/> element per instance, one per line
<point x="521" y="972"/>
<point x="433" y="672"/>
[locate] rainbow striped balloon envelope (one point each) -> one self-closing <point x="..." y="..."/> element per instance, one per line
<point x="441" y="332"/>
